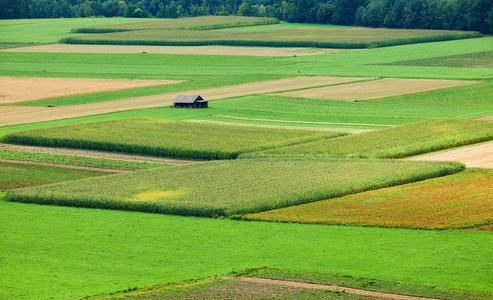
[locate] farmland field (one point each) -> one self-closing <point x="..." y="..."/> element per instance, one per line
<point x="166" y="138"/>
<point x="458" y="201"/>
<point x="376" y="89"/>
<point x="14" y="175"/>
<point x="395" y="142"/>
<point x="224" y="188"/>
<point x="55" y="252"/>
<point x="358" y="38"/>
<point x="30" y="89"/>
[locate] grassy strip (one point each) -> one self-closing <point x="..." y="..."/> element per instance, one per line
<point x="166" y="138"/>
<point x="458" y="201"/>
<point x="14" y="176"/>
<point x="223" y="188"/>
<point x="316" y="38"/>
<point x="195" y="23"/>
<point x="396" y="142"/>
<point x="74" y="160"/>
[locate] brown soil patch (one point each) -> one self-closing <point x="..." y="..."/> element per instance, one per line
<point x="385" y="87"/>
<point x="16" y="89"/>
<point x="476" y="156"/>
<point x="487" y="118"/>
<point x="96" y="154"/>
<point x="197" y="50"/>
<point x="329" y="287"/>
<point x="32" y="115"/>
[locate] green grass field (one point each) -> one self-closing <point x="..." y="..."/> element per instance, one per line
<point x="61" y="252"/>
<point x="27" y="30"/>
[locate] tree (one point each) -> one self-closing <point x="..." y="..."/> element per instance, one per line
<point x="245" y="9"/>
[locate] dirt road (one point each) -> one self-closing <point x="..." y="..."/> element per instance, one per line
<point x="475" y="156"/>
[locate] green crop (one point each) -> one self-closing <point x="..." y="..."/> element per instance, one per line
<point x="77" y="160"/>
<point x="234" y="187"/>
<point x="396" y="142"/>
<point x="196" y="23"/>
<point x="166" y="138"/>
<point x="318" y="38"/>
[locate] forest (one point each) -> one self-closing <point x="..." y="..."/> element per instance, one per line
<point x="475" y="15"/>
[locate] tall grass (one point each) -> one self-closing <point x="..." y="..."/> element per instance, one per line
<point x="396" y="142"/>
<point x="195" y="23"/>
<point x="165" y="138"/>
<point x="222" y="188"/>
<point x="357" y="38"/>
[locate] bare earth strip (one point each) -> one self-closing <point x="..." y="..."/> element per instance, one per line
<point x="476" y="156"/>
<point x="96" y="154"/>
<point x="330" y="287"/>
<point x="197" y="50"/>
<point x="16" y="89"/>
<point x="57" y="113"/>
<point x="488" y="118"/>
<point x="385" y="87"/>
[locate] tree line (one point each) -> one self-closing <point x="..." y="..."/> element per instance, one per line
<point x="476" y="15"/>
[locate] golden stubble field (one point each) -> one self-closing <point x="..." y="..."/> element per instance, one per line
<point x="385" y="87"/>
<point x="23" y="89"/>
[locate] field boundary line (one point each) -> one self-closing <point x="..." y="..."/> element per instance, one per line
<point x="63" y="166"/>
<point x="328" y="287"/>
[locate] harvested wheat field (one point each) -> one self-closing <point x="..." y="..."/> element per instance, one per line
<point x="380" y="88"/>
<point x="195" y="50"/>
<point x="476" y="156"/>
<point x="31" y="115"/>
<point x="17" y="89"/>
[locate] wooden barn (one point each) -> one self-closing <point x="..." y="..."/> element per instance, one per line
<point x="190" y="101"/>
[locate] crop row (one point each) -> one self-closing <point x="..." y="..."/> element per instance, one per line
<point x="77" y="160"/>
<point x="165" y="138"/>
<point x="197" y="23"/>
<point x="318" y="38"/>
<point x="396" y="142"/>
<point x="234" y="187"/>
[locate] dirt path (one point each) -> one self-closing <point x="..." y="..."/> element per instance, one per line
<point x="329" y="287"/>
<point x="63" y="166"/>
<point x="475" y="156"/>
<point x="96" y="154"/>
<point x="23" y="115"/>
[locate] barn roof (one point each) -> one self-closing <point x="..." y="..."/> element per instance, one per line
<point x="188" y="99"/>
